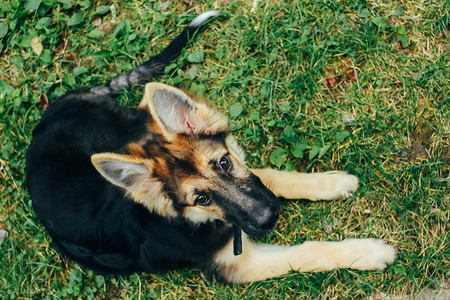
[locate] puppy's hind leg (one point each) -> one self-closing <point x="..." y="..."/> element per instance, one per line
<point x="259" y="262"/>
<point x="332" y="185"/>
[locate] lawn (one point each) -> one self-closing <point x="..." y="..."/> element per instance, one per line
<point x="360" y="86"/>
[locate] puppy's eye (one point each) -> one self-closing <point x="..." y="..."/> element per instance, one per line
<point x="202" y="200"/>
<point x="225" y="162"/>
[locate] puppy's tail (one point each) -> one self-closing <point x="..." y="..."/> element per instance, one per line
<point x="155" y="66"/>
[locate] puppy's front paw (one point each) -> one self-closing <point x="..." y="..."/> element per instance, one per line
<point x="369" y="254"/>
<point x="337" y="185"/>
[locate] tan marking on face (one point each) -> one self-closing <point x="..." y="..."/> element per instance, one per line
<point x="234" y="148"/>
<point x="203" y="214"/>
<point x="199" y="213"/>
<point x="136" y="150"/>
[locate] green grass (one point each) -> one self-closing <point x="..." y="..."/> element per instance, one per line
<point x="308" y="85"/>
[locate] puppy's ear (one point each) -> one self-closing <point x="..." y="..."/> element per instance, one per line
<point x="124" y="171"/>
<point x="175" y="112"/>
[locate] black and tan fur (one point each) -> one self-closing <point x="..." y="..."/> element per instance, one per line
<point x="160" y="187"/>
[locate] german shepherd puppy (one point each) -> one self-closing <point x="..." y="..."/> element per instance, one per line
<point x="165" y="186"/>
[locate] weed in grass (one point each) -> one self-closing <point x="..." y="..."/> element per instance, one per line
<point x="308" y="85"/>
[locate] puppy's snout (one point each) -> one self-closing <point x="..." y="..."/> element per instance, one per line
<point x="267" y="218"/>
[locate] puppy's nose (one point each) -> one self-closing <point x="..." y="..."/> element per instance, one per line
<point x="267" y="218"/>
